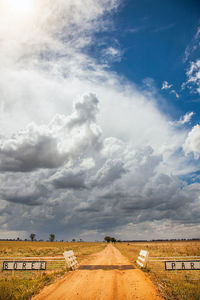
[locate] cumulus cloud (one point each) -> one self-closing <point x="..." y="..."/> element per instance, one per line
<point x="24" y="189"/>
<point x="62" y="140"/>
<point x="192" y="143"/>
<point x="193" y="75"/>
<point x="90" y="191"/>
<point x="110" y="171"/>
<point x="68" y="179"/>
<point x="114" y="154"/>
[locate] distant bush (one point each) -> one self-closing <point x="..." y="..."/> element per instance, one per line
<point x="109" y="239"/>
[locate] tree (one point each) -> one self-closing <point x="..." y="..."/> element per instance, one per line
<point x="107" y="239"/>
<point x="113" y="240"/>
<point x="51" y="237"/>
<point x="32" y="236"/>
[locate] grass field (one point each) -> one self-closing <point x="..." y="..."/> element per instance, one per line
<point x="179" y="285"/>
<point x="22" y="285"/>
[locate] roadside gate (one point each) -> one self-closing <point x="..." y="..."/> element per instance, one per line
<point x="171" y="263"/>
<point x="45" y="263"/>
<point x="143" y="258"/>
<point x="171" y="268"/>
<point x="70" y="259"/>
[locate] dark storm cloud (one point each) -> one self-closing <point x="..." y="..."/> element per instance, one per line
<point x="68" y="179"/>
<point x="30" y="155"/>
<point x="27" y="190"/>
<point x="69" y="176"/>
<point x="78" y="181"/>
<point x="23" y="197"/>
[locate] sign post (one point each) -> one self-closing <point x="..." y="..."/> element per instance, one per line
<point x="24" y="265"/>
<point x="182" y="265"/>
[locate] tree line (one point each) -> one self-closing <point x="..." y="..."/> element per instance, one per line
<point x="51" y="237"/>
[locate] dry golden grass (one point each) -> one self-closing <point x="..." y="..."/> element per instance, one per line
<point x="22" y="285"/>
<point x="22" y="248"/>
<point x="180" y="285"/>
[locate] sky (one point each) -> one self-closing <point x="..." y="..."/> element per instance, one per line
<point x="99" y="119"/>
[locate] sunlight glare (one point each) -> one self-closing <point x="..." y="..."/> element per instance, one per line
<point x="20" y="6"/>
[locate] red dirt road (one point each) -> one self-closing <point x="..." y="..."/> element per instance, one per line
<point x="110" y="279"/>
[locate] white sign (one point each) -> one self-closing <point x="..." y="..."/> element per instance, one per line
<point x="24" y="265"/>
<point x="143" y="258"/>
<point x="182" y="265"/>
<point x="70" y="259"/>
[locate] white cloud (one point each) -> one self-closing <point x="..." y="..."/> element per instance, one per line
<point x="112" y="54"/>
<point x="114" y="155"/>
<point x="62" y="140"/>
<point x="112" y="170"/>
<point x="183" y="120"/>
<point x="88" y="191"/>
<point x="88" y="163"/>
<point x="175" y="93"/>
<point x="192" y="143"/>
<point x="193" y="68"/>
<point x="193" y="75"/>
<point x="166" y="85"/>
<point x="193" y="45"/>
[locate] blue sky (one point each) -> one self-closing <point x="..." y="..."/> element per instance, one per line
<point x="99" y="119"/>
<point x="153" y="37"/>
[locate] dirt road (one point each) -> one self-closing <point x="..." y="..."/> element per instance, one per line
<point x="107" y="276"/>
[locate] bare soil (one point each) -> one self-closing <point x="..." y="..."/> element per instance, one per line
<point x="107" y="275"/>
